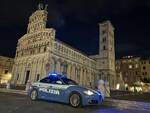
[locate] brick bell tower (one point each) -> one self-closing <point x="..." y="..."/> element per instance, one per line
<point x="107" y="53"/>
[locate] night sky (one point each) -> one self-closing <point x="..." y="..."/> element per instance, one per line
<point x="76" y="23"/>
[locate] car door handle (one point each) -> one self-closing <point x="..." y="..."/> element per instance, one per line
<point x="51" y="86"/>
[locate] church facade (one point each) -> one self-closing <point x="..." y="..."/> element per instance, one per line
<point x="39" y="52"/>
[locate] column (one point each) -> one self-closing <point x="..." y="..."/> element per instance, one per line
<point x="58" y="67"/>
<point x="44" y="68"/>
<point x="22" y="74"/>
<point x="37" y="70"/>
<point x="90" y="79"/>
<point x="31" y="75"/>
<point x="23" y="79"/>
<point x="13" y="74"/>
<point x="33" y="70"/>
<point x="52" y="64"/>
<point x="19" y="72"/>
<point x="73" y="73"/>
<point x="81" y="76"/>
<point x="85" y="78"/>
<point x="93" y="81"/>
<point x="43" y="73"/>
<point x="69" y="71"/>
<point x="61" y="67"/>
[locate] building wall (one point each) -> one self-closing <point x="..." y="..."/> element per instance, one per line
<point x="145" y="68"/>
<point x="129" y="69"/>
<point x="6" y="65"/>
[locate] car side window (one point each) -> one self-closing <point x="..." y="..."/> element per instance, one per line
<point x="45" y="80"/>
<point x="57" y="81"/>
<point x="51" y="81"/>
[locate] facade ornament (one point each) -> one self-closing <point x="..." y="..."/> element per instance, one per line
<point x="46" y="7"/>
<point x="40" y="6"/>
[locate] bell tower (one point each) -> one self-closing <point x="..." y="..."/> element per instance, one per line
<point x="107" y="52"/>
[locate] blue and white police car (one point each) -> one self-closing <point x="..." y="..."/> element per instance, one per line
<point x="57" y="87"/>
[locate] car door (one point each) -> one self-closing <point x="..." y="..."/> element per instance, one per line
<point x="51" y="89"/>
<point x="44" y="89"/>
<point x="59" y="89"/>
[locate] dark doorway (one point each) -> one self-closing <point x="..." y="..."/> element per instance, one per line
<point x="27" y="76"/>
<point x="38" y="76"/>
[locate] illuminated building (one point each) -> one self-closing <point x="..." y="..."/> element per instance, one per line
<point x="6" y="65"/>
<point x="145" y="69"/>
<point x="39" y="52"/>
<point x="128" y="69"/>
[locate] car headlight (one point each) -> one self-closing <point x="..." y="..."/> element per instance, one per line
<point x="88" y="92"/>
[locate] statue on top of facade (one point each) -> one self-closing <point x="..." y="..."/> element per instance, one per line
<point x="40" y="6"/>
<point x="46" y="7"/>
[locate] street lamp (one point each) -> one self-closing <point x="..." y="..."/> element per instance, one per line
<point x="9" y="75"/>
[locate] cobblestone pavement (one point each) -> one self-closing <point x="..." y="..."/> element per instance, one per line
<point x="16" y="103"/>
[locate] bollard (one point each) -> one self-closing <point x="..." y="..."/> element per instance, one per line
<point x="101" y="87"/>
<point x="28" y="85"/>
<point x="8" y="85"/>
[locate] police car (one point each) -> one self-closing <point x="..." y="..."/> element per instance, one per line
<point x="57" y="87"/>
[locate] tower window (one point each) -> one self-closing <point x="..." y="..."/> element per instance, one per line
<point x="104" y="47"/>
<point x="103" y="32"/>
<point x="144" y="67"/>
<point x="104" y="39"/>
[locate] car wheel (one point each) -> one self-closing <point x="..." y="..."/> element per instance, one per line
<point x="34" y="95"/>
<point x="75" y="100"/>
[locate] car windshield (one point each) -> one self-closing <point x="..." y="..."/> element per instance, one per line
<point x="69" y="81"/>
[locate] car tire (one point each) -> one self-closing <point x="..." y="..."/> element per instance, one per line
<point x="34" y="95"/>
<point x="75" y="100"/>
